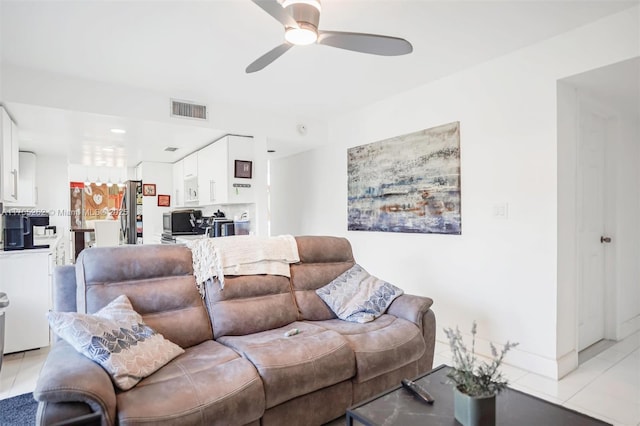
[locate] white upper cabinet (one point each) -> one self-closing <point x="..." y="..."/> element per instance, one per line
<point x="9" y="165"/>
<point x="28" y="195"/>
<point x="208" y="177"/>
<point x="216" y="171"/>
<point x="190" y="165"/>
<point x="178" y="184"/>
<point x="191" y="192"/>
<point x="212" y="177"/>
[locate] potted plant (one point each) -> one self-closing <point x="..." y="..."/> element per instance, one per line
<point x="476" y="383"/>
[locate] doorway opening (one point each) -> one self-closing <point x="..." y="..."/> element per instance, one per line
<point x="598" y="207"/>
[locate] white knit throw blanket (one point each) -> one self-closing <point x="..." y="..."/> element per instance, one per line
<point x="241" y="255"/>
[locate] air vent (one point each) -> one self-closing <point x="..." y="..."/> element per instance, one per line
<point x="188" y="110"/>
<point x="171" y="149"/>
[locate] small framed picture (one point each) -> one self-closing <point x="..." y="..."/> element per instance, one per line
<point x="149" y="189"/>
<point x="164" y="200"/>
<point x="243" y="169"/>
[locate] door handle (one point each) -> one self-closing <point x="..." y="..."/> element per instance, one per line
<point x="14" y="172"/>
<point x="605" y="239"/>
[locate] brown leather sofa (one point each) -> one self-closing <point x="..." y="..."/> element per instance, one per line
<point x="238" y="368"/>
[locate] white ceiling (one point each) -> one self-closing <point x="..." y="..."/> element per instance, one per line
<point x="199" y="50"/>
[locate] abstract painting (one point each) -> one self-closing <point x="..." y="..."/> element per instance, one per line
<point x="408" y="183"/>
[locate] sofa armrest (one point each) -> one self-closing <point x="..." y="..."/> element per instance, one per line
<point x="68" y="376"/>
<point x="417" y="309"/>
<point x="410" y="307"/>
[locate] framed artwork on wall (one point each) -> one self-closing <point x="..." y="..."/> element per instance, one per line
<point x="149" y="189"/>
<point x="408" y="183"/>
<point x="164" y="200"/>
<point x="243" y="169"/>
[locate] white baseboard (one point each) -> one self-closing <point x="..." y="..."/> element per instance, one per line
<point x="533" y="363"/>
<point x="629" y="327"/>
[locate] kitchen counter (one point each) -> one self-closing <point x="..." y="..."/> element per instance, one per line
<point x="51" y="241"/>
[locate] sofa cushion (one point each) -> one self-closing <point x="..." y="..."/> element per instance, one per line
<point x="249" y="304"/>
<point x="116" y="338"/>
<point x="358" y="296"/>
<point x="380" y="346"/>
<point x="209" y="384"/>
<point x="322" y="259"/>
<point x="296" y="365"/>
<point x="157" y="279"/>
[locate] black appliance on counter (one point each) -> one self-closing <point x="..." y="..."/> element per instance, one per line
<point x="13" y="232"/>
<point x="18" y="230"/>
<point x="182" y="222"/>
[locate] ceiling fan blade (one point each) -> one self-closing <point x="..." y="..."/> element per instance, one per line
<point x="268" y="57"/>
<point x="365" y="43"/>
<point x="275" y="9"/>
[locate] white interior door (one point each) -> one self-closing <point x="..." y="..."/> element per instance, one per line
<point x="591" y="224"/>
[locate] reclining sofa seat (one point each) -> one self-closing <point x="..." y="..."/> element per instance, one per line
<point x="209" y="384"/>
<point x="238" y="368"/>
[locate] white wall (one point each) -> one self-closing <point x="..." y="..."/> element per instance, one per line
<point x="627" y="226"/>
<point x="501" y="273"/>
<point x="287" y="179"/>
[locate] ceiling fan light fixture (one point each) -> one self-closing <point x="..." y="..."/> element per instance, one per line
<point x="314" y="3"/>
<point x="302" y="36"/>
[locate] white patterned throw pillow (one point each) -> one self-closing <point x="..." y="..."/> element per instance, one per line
<point x="357" y="296"/>
<point x="117" y="338"/>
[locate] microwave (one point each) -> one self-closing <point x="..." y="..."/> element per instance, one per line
<point x="182" y="222"/>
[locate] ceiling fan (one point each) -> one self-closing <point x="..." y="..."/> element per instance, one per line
<point x="300" y="19"/>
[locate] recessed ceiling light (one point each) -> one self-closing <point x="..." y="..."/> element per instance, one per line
<point x="171" y="149"/>
<point x="118" y="131"/>
<point x="108" y="148"/>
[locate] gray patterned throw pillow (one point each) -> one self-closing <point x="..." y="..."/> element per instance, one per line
<point x="357" y="296"/>
<point x="117" y="338"/>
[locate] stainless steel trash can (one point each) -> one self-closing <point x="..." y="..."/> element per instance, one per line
<point x="4" y="302"/>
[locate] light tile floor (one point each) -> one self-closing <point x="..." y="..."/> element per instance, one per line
<point x="607" y="386"/>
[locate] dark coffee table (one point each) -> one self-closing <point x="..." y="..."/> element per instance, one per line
<point x="398" y="407"/>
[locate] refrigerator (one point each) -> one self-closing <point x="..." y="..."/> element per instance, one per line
<point x="131" y="213"/>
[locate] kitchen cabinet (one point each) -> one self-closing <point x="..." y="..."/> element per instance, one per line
<point x="191" y="192"/>
<point x="9" y="164"/>
<point x="212" y="175"/>
<point x="190" y="166"/>
<point x="26" y="278"/>
<point x="178" y="184"/>
<point x="28" y="195"/>
<point x="216" y="171"/>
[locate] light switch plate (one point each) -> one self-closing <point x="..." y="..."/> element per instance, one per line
<point x="501" y="211"/>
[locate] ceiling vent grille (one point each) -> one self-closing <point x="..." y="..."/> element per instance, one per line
<point x="188" y="110"/>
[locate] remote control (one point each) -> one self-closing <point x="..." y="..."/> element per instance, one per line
<point x="292" y="332"/>
<point x="417" y="390"/>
